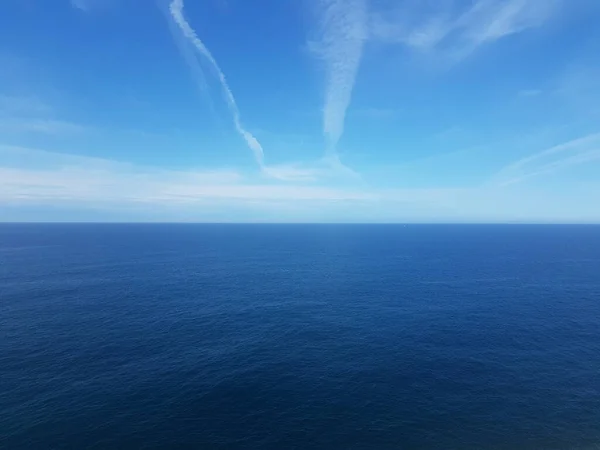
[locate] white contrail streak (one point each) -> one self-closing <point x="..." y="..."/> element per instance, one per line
<point x="580" y="151"/>
<point x="176" y="10"/>
<point x="343" y="33"/>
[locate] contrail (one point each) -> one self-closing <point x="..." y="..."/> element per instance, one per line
<point x="566" y="147"/>
<point x="343" y="33"/>
<point x="582" y="150"/>
<point x="176" y="10"/>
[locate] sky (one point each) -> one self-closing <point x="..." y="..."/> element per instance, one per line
<point x="300" y="111"/>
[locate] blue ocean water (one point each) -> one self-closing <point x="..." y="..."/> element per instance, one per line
<point x="299" y="336"/>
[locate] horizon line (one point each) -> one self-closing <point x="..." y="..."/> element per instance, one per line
<point x="83" y="222"/>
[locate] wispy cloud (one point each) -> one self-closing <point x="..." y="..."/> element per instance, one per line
<point x="177" y="15"/>
<point x="16" y="104"/>
<point x="294" y="172"/>
<point x="83" y="5"/>
<point x="447" y="27"/>
<point x="30" y="114"/>
<point x="530" y="92"/>
<point x="39" y="176"/>
<point x="80" y="4"/>
<point x="338" y="97"/>
<point x="40" y="126"/>
<point x="67" y="181"/>
<point x="61" y="179"/>
<point x="311" y="172"/>
<point x="559" y="157"/>
<point x="343" y="30"/>
<point x="92" y="5"/>
<point x="373" y="113"/>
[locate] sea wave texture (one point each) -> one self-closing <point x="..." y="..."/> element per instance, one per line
<point x="299" y="336"/>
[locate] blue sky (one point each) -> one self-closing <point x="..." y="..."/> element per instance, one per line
<point x="308" y="110"/>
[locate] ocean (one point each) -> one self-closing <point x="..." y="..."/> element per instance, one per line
<point x="156" y="336"/>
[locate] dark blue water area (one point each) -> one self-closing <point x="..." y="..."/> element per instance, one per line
<point x="299" y="336"/>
